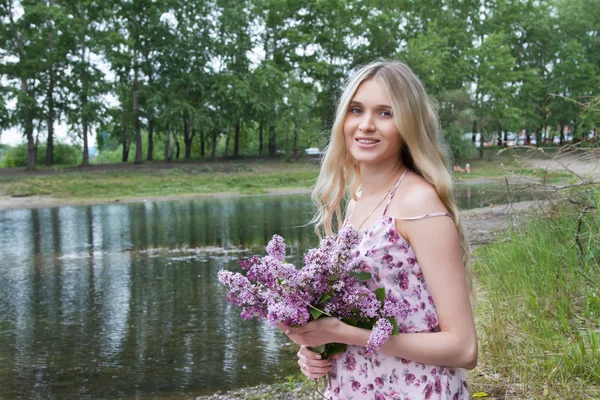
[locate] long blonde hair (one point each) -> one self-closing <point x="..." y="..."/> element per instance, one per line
<point x="423" y="150"/>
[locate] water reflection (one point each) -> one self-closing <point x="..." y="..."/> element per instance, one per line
<point x="123" y="300"/>
<point x="119" y="301"/>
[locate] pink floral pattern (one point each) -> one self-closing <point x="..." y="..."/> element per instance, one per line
<point x="359" y="375"/>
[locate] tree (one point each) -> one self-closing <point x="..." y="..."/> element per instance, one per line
<point x="22" y="40"/>
<point x="86" y="83"/>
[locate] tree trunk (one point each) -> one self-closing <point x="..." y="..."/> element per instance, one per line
<point x="177" y="147"/>
<point x="236" y="140"/>
<point x="86" y="155"/>
<point x="202" y="144"/>
<point x="84" y="115"/>
<point x="562" y="135"/>
<point x="227" y="143"/>
<point x="527" y="137"/>
<point x="481" y="146"/>
<point x="29" y="133"/>
<point x="500" y="136"/>
<point x="136" y="111"/>
<point x="187" y="139"/>
<point x="215" y="132"/>
<point x="168" y="156"/>
<point x="124" y="141"/>
<point x="213" y="153"/>
<point x="295" y="141"/>
<point x="260" y="137"/>
<point x="150" y="156"/>
<point x="272" y="137"/>
<point x="50" y="121"/>
<point x="474" y="132"/>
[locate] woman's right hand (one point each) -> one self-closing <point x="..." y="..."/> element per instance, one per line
<point x="311" y="364"/>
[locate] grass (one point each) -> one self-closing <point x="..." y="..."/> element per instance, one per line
<point x="187" y="179"/>
<point x="508" y="164"/>
<point x="539" y="313"/>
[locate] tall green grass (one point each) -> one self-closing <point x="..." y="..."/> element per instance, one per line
<point x="539" y="309"/>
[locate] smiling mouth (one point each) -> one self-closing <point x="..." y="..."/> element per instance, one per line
<point x="367" y="141"/>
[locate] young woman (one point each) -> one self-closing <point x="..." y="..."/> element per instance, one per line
<point x="385" y="146"/>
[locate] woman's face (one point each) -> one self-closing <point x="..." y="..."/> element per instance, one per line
<point x="369" y="129"/>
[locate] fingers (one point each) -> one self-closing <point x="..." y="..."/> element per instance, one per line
<point x="311" y="371"/>
<point x="311" y="363"/>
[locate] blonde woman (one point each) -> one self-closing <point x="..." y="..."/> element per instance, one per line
<point x="385" y="147"/>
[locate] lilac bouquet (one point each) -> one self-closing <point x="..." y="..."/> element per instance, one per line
<point x="330" y="284"/>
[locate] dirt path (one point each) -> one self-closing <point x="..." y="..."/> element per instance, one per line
<point x="583" y="164"/>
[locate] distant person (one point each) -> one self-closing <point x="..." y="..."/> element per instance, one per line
<point x="384" y="145"/>
<point x="468" y="168"/>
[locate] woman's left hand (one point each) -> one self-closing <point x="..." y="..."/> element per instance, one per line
<point x="315" y="333"/>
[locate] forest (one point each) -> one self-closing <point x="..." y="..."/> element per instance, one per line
<point x="202" y="79"/>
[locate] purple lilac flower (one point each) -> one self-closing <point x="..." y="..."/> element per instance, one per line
<point x="288" y="314"/>
<point x="380" y="333"/>
<point x="276" y="248"/>
<point x="277" y="291"/>
<point x="392" y="307"/>
<point x="248" y="263"/>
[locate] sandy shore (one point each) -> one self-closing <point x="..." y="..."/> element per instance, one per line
<point x="13" y="203"/>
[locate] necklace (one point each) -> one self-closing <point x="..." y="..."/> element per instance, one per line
<point x="376" y="207"/>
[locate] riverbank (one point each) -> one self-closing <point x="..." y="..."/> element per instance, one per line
<point x="127" y="183"/>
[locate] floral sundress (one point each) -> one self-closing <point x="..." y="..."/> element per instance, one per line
<point x="379" y="376"/>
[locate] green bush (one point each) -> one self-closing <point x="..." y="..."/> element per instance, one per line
<point x="461" y="149"/>
<point x="64" y="154"/>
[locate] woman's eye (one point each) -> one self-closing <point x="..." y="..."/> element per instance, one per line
<point x="355" y="110"/>
<point x="386" y="113"/>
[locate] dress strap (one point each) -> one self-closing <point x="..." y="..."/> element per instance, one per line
<point x="440" y="214"/>
<point x="394" y="191"/>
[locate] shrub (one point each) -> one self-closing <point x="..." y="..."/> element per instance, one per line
<point x="64" y="154"/>
<point x="462" y="149"/>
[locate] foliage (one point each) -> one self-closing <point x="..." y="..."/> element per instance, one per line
<point x="462" y="149"/>
<point x="541" y="303"/>
<point x="64" y="154"/>
<point x="212" y="78"/>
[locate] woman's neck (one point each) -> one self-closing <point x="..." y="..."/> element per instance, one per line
<point x="377" y="179"/>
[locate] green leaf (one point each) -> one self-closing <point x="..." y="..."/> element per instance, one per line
<point x="335" y="348"/>
<point x="395" y="330"/>
<point x="380" y="294"/>
<point x="350" y="321"/>
<point x="361" y="276"/>
<point x="366" y="324"/>
<point x="318" y="349"/>
<point x="325" y="297"/>
<point x="315" y="313"/>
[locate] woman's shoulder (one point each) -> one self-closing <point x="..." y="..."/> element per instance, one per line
<point x="415" y="196"/>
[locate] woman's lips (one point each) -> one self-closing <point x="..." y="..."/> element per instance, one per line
<point x="362" y="142"/>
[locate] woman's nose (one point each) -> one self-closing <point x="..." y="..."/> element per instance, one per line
<point x="366" y="123"/>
